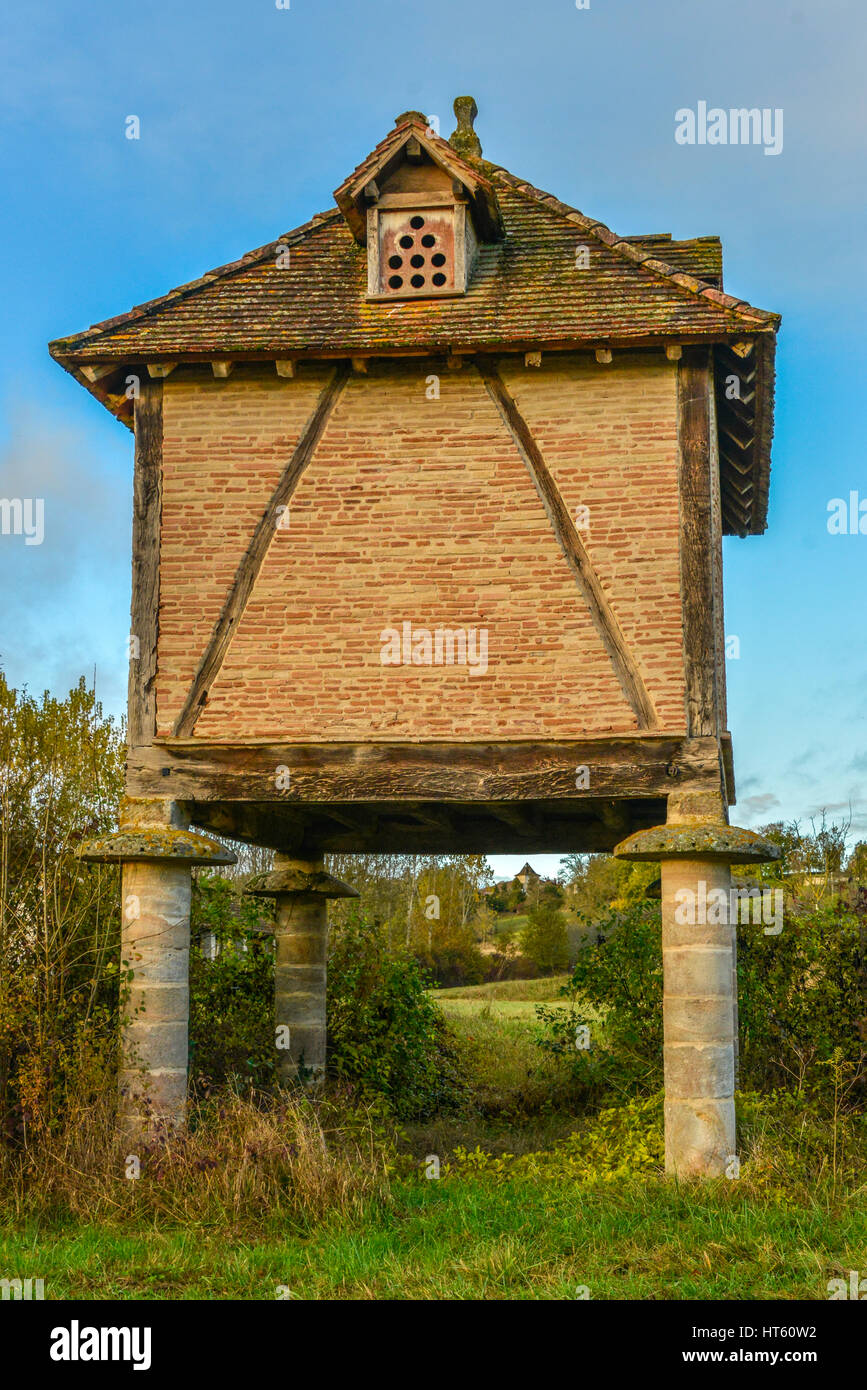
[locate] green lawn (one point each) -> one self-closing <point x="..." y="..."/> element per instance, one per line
<point x="466" y="1239"/>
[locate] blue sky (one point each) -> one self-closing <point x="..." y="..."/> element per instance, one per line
<point x="250" y="116"/>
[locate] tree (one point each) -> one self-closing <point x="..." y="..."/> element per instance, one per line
<point x="544" y="939"/>
<point x="61" y="775"/>
<point x="596" y="883"/>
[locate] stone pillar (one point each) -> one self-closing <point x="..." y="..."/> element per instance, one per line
<point x="696" y="849"/>
<point x="157" y="850"/>
<point x="697" y="1017"/>
<point x="301" y="889"/>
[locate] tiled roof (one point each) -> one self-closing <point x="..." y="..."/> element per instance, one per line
<point x="526" y="291"/>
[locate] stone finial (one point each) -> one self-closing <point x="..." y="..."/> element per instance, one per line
<point x="464" y="139"/>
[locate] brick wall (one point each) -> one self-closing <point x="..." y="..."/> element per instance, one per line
<point x="421" y="510"/>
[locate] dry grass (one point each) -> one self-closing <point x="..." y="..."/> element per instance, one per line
<point x="238" y="1161"/>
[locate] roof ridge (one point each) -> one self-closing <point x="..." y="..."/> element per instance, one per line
<point x="221" y="272"/>
<point x="593" y="227"/>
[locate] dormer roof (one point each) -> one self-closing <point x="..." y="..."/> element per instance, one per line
<point x="412" y="133"/>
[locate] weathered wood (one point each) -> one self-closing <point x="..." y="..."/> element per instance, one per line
<point x="717" y="565"/>
<point x="146" y="520"/>
<point x="285" y="368"/>
<point x="251" y="564"/>
<point x="579" y="561"/>
<point x="604" y="356"/>
<point x="406" y="827"/>
<point x="95" y="374"/>
<point x="696" y="542"/>
<point x="158" y="371"/>
<point x="727" y="760"/>
<point x="222" y="368"/>
<point x="647" y="765"/>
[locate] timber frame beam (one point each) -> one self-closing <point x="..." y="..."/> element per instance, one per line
<point x="697" y="544"/>
<point x="146" y="522"/>
<point x="299" y="774"/>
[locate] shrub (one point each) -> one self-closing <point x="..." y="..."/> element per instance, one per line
<point x="61" y="773"/>
<point x="385" y="1035"/>
<point x="801" y="1002"/>
<point x="453" y="958"/>
<point x="615" y="994"/>
<point x="231" y="996"/>
<point x="802" y="998"/>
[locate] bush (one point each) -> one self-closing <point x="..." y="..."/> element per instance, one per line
<point x="611" y="1034"/>
<point x="453" y="959"/>
<point x="231" y="996"/>
<point x="801" y="1002"/>
<point x="61" y="774"/>
<point x="802" y="998"/>
<point x="385" y="1035"/>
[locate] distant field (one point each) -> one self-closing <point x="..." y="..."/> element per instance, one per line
<point x="490" y="1006"/>
<point x="509" y="923"/>
<point x="539" y="991"/>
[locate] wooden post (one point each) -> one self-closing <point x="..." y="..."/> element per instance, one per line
<point x="146" y="520"/>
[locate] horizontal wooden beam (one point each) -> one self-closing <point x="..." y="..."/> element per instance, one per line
<point x="638" y="342"/>
<point x="412" y="828"/>
<point x="318" y="773"/>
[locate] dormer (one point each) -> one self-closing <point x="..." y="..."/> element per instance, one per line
<point x="422" y="209"/>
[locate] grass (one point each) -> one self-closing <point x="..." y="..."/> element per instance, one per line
<point x="233" y="1214"/>
<point x="470" y="1240"/>
<point x="541" y="991"/>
